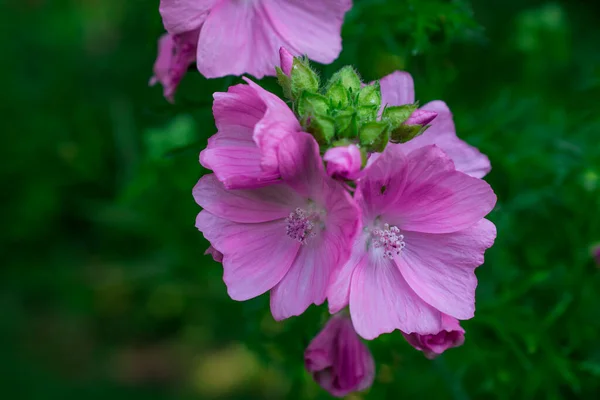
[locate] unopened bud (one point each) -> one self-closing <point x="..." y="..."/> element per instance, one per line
<point x="370" y="95"/>
<point x="374" y="135"/>
<point x="397" y="115"/>
<point x="312" y="104"/>
<point x="348" y="77"/>
<point x="421" y="117"/>
<point x="404" y="133"/>
<point x="304" y="79"/>
<point x="321" y="127"/>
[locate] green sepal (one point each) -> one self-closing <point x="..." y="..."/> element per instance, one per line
<point x="285" y="82"/>
<point x="397" y="115"/>
<point x="321" y="127"/>
<point x="374" y="135"/>
<point x="367" y="113"/>
<point x="303" y="78"/>
<point x="348" y="77"/>
<point x="312" y="104"/>
<point x="338" y="95"/>
<point x="370" y="95"/>
<point x="346" y="124"/>
<point x="404" y="133"/>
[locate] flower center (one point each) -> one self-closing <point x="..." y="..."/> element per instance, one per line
<point x="301" y="224"/>
<point x="389" y="239"/>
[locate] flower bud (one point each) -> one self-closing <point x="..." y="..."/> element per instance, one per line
<point x="303" y="78"/>
<point x="451" y="335"/>
<point x="216" y="254"/>
<point x="339" y="96"/>
<point x="404" y="133"/>
<point x="374" y="135"/>
<point x="421" y="117"/>
<point x="348" y="78"/>
<point x="344" y="162"/>
<point x="370" y="95"/>
<point x="312" y="104"/>
<point x="397" y="115"/>
<point x="321" y="127"/>
<point x="286" y="60"/>
<point x="338" y="360"/>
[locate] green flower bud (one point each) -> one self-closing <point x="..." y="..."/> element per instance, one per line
<point x="348" y="77"/>
<point x="312" y="104"/>
<point x="367" y="113"/>
<point x="321" y="127"/>
<point x="285" y="82"/>
<point x="346" y="124"/>
<point x="370" y="96"/>
<point x="404" y="133"/>
<point x="374" y="135"/>
<point x="303" y="78"/>
<point x="397" y="115"/>
<point x="339" y="96"/>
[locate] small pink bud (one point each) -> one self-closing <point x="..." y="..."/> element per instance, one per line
<point x="286" y="60"/>
<point x="452" y="335"/>
<point x="338" y="360"/>
<point x="216" y="254"/>
<point x="421" y="117"/>
<point x="344" y="162"/>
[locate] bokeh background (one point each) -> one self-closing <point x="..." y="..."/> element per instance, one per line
<point x="105" y="289"/>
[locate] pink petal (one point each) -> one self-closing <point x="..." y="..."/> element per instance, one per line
<point x="301" y="167"/>
<point x="245" y="205"/>
<point x="397" y="89"/>
<point x="440" y="268"/>
<point x="216" y="254"/>
<point x="436" y="198"/>
<point x="338" y="292"/>
<point x="306" y="281"/>
<point x="421" y="117"/>
<point x="184" y="15"/>
<point x="344" y="162"/>
<point x="278" y="123"/>
<point x="442" y="133"/>
<point x="310" y="27"/>
<point x="255" y="256"/>
<point x="286" y="60"/>
<point x="381" y="301"/>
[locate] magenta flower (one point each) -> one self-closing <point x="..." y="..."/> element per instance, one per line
<point x="287" y="237"/>
<point x="175" y="55"/>
<point x="238" y="37"/>
<point x="338" y="360"/>
<point x="423" y="236"/>
<point x="451" y="335"/>
<point x="398" y="89"/>
<point x="344" y="162"/>
<point x="251" y="123"/>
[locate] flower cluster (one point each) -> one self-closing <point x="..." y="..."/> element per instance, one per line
<point x="346" y="192"/>
<point x="351" y="194"/>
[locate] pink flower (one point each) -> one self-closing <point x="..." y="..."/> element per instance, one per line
<point x="398" y="89"/>
<point x="251" y="123"/>
<point x="237" y="37"/>
<point x="423" y="236"/>
<point x="287" y="237"/>
<point x="451" y="335"/>
<point x="216" y="255"/>
<point x="343" y="162"/>
<point x="338" y="360"/>
<point x="175" y="55"/>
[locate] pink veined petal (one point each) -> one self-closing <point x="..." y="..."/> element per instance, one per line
<point x="440" y="268"/>
<point x="310" y="27"/>
<point x="442" y="133"/>
<point x="384" y="179"/>
<point x="301" y="167"/>
<point x="236" y="39"/>
<point x="278" y="123"/>
<point x="436" y="198"/>
<point x="381" y="301"/>
<point x="255" y="256"/>
<point x="338" y="292"/>
<point x="184" y="15"/>
<point x="245" y="205"/>
<point x="397" y="89"/>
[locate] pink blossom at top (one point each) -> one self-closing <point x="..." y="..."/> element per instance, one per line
<point x="287" y="237"/>
<point x="432" y="345"/>
<point x="244" y="36"/>
<point x="338" y="360"/>
<point x="251" y="124"/>
<point x="398" y="89"/>
<point x="175" y="55"/>
<point x="423" y="236"/>
<point x="344" y="162"/>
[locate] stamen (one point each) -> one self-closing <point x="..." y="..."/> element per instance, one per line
<point x="300" y="225"/>
<point x="390" y="239"/>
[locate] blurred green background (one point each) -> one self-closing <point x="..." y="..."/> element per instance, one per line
<point x="105" y="289"/>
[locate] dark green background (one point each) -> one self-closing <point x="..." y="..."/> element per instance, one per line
<point x="105" y="289"/>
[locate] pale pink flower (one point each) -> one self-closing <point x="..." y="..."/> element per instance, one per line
<point x="251" y="123"/>
<point x="338" y="360"/>
<point x="236" y="37"/>
<point x="423" y="236"/>
<point x="287" y="237"/>
<point x="175" y="55"/>
<point x="432" y="345"/>
<point x="398" y="89"/>
<point x="344" y="162"/>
